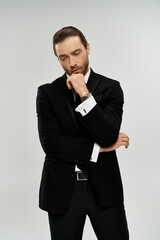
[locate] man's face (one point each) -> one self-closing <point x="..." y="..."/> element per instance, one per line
<point x="73" y="56"/>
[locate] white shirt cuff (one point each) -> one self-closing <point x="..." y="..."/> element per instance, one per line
<point x="86" y="106"/>
<point x="95" y="153"/>
<point x="77" y="169"/>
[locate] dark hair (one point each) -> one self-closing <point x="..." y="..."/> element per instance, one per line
<point x="66" y="32"/>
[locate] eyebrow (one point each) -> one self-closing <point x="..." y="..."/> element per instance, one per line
<point x="78" y="49"/>
<point x="62" y="55"/>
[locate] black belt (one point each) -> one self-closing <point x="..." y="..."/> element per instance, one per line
<point x="81" y="176"/>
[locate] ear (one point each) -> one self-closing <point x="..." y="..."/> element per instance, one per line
<point x="88" y="48"/>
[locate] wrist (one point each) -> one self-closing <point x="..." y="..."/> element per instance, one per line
<point x="85" y="96"/>
<point x="83" y="93"/>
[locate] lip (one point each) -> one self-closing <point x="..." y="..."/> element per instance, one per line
<point x="76" y="70"/>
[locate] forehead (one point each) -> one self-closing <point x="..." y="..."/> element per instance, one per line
<point x="69" y="45"/>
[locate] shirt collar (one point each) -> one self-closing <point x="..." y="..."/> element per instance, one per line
<point x="85" y="77"/>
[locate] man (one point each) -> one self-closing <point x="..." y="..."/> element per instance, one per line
<point x="79" y="118"/>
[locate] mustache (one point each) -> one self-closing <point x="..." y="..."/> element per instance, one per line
<point x="75" y="69"/>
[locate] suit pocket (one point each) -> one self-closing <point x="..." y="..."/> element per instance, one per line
<point x="98" y="97"/>
<point x="48" y="175"/>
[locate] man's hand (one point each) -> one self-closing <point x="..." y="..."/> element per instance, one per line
<point x="78" y="83"/>
<point x="122" y="140"/>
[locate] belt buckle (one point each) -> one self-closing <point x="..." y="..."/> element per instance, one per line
<point x="78" y="179"/>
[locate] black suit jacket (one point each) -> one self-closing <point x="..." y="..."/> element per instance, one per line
<point x="67" y="139"/>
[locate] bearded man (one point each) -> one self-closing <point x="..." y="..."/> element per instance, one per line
<point x="79" y="119"/>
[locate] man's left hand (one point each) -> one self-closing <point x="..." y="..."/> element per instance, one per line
<point x="122" y="140"/>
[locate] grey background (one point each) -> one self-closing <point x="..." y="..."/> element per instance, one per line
<point x="124" y="38"/>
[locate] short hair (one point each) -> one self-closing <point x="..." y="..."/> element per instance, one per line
<point x="66" y="32"/>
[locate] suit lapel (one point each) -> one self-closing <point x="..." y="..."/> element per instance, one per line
<point x="93" y="81"/>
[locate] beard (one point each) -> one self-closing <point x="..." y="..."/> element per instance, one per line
<point x="86" y="66"/>
<point x="79" y="69"/>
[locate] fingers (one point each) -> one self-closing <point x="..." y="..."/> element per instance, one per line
<point x="124" y="140"/>
<point x="123" y="137"/>
<point x="69" y="83"/>
<point x="126" y="144"/>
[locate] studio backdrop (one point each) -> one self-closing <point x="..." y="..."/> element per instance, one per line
<point x="124" y="37"/>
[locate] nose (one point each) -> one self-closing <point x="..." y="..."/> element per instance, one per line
<point x="72" y="62"/>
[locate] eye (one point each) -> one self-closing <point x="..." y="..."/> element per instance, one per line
<point x="63" y="58"/>
<point x="76" y="53"/>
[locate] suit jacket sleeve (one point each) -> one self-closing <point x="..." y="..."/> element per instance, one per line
<point x="54" y="143"/>
<point x="103" y="123"/>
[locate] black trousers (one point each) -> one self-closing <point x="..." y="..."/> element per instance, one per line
<point x="108" y="223"/>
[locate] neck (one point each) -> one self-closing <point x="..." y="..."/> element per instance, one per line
<point x="87" y="70"/>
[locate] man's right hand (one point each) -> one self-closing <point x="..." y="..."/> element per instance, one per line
<point x="122" y="140"/>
